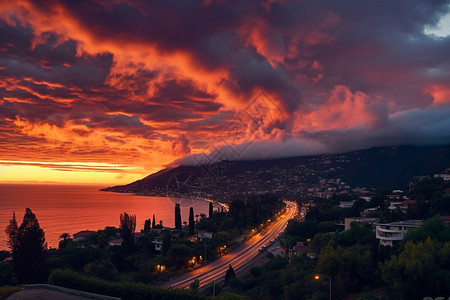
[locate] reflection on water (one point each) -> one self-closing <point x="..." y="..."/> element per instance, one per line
<point x="72" y="208"/>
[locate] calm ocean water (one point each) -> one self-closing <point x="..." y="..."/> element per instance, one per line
<point x="72" y="208"/>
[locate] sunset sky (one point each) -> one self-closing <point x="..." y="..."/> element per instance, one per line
<point x="110" y="91"/>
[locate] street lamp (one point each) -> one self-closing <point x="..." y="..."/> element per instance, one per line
<point x="317" y="277"/>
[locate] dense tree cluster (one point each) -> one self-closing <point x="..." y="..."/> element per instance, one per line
<point x="419" y="268"/>
<point x="137" y="259"/>
<point x="246" y="213"/>
<point x="360" y="268"/>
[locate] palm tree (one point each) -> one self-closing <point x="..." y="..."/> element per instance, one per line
<point x="64" y="236"/>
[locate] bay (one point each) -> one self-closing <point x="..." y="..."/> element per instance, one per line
<point x="73" y="208"/>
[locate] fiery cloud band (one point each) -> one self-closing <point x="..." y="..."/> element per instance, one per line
<point x="145" y="83"/>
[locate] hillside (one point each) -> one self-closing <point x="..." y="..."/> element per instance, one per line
<point x="375" y="168"/>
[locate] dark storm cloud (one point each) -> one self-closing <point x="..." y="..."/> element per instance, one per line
<point x="172" y="24"/>
<point x="55" y="62"/>
<point x="208" y="32"/>
<point x="50" y="60"/>
<point x="380" y="48"/>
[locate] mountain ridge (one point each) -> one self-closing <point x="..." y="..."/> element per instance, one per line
<point x="374" y="168"/>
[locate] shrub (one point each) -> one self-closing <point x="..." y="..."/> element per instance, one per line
<point x="124" y="290"/>
<point x="7" y="276"/>
<point x="232" y="296"/>
<point x="6" y="291"/>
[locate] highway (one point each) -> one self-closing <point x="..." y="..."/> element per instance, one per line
<point x="240" y="256"/>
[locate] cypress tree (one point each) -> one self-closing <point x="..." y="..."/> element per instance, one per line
<point x="230" y="274"/>
<point x="177" y="216"/>
<point x="154" y="222"/>
<point x="191" y="221"/>
<point x="12" y="230"/>
<point x="147" y="225"/>
<point x="211" y="209"/>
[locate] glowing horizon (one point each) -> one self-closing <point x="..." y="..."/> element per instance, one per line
<point x="68" y="172"/>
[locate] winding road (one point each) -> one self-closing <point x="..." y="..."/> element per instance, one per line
<point x="240" y="256"/>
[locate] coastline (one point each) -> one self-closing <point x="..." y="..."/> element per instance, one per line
<point x="73" y="208"/>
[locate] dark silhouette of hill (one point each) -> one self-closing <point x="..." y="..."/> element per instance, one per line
<point x="379" y="168"/>
<point x="385" y="168"/>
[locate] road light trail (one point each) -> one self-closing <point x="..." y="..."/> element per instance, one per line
<point x="238" y="257"/>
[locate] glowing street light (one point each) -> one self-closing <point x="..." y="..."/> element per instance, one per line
<point x="317" y="277"/>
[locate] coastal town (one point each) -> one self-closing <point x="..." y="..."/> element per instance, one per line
<point x="334" y="188"/>
<point x="331" y="211"/>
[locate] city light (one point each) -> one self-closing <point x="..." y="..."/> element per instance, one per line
<point x="191" y="262"/>
<point x="160" y="268"/>
<point x="317" y="277"/>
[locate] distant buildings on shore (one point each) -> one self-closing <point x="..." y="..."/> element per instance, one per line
<point x="83" y="235"/>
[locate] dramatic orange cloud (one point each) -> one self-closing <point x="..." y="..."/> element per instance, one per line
<point x="440" y="93"/>
<point x="343" y="109"/>
<point x="143" y="84"/>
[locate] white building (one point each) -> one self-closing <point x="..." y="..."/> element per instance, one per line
<point x="395" y="231"/>
<point x="204" y="235"/>
<point x="394" y="205"/>
<point x="158" y="243"/>
<point x="83" y="235"/>
<point x="446" y="177"/>
<point x="116" y="242"/>
<point x="403" y="205"/>
<point x="346" y="204"/>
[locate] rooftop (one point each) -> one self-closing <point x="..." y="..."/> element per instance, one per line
<point x="412" y="223"/>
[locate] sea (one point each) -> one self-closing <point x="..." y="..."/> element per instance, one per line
<point x="72" y="208"/>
